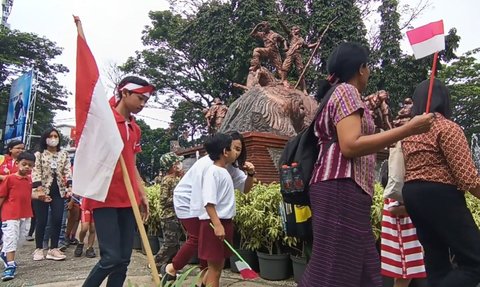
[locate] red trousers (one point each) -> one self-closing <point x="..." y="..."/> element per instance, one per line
<point x="190" y="247"/>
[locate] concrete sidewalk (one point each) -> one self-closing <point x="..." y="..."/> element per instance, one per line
<point x="73" y="271"/>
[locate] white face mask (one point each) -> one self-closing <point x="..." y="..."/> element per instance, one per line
<point x="52" y="142"/>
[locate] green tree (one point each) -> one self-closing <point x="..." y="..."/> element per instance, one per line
<point x="20" y="52"/>
<point x="154" y="143"/>
<point x="188" y="125"/>
<point x="198" y="55"/>
<point x="462" y="77"/>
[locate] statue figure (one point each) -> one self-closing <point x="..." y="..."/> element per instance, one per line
<point x="270" y="50"/>
<point x="404" y="114"/>
<point x="294" y="55"/>
<point x="377" y="103"/>
<point x="215" y="115"/>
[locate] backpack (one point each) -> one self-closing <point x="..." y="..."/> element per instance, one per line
<point x="303" y="150"/>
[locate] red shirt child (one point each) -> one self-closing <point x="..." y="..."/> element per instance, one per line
<point x="17" y="191"/>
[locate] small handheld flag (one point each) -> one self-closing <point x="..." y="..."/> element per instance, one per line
<point x="427" y="39"/>
<point x="246" y="271"/>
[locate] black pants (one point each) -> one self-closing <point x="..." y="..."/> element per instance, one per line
<point x="33" y="222"/>
<point x="115" y="228"/>
<point x="445" y="227"/>
<point x="41" y="214"/>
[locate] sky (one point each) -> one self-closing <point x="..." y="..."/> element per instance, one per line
<point x="113" y="29"/>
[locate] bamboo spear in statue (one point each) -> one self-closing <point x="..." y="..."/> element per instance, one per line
<point x="314" y="52"/>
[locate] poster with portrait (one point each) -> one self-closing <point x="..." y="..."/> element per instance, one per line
<point x="18" y="108"/>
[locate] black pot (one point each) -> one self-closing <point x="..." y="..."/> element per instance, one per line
<point x="249" y="256"/>
<point x="137" y="242"/>
<point x="274" y="267"/>
<point x="298" y="265"/>
<point x="154" y="244"/>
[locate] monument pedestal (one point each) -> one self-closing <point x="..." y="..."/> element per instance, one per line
<point x="263" y="150"/>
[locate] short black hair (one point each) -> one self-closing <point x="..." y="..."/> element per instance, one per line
<point x="45" y="135"/>
<point x="242" y="158"/>
<point x="216" y="144"/>
<point x="26" y="156"/>
<point x="440" y="102"/>
<point x="11" y="144"/>
<point x="343" y="63"/>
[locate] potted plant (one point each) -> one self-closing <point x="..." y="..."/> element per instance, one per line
<point x="244" y="226"/>
<point x="267" y="232"/>
<point x="299" y="260"/>
<point x="152" y="225"/>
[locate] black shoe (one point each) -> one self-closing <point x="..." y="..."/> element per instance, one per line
<point x="78" y="250"/>
<point x="90" y="253"/>
<point x="73" y="241"/>
<point x="165" y="276"/>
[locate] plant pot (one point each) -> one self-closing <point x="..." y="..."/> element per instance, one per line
<point x="137" y="241"/>
<point x="154" y="244"/>
<point x="249" y="256"/>
<point x="274" y="267"/>
<point x="298" y="265"/>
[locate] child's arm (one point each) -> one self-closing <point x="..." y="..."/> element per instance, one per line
<point x="2" y="199"/>
<point x="3" y="190"/>
<point x="217" y="224"/>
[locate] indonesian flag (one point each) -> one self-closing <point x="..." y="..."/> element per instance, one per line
<point x="427" y="39"/>
<point x="98" y="139"/>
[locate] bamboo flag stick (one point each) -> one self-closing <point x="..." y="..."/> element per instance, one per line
<point x="138" y="219"/>
<point x="314" y="52"/>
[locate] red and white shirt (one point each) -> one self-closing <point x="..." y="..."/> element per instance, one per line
<point x="8" y="166"/>
<point x="117" y="196"/>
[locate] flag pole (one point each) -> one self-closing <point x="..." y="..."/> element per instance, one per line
<point x="432" y="77"/>
<point x="138" y="219"/>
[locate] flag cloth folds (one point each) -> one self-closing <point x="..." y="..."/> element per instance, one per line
<point x="98" y="139"/>
<point x="427" y="39"/>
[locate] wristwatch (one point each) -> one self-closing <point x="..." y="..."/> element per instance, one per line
<point x="251" y="174"/>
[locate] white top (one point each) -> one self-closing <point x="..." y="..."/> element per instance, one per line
<point x="218" y="190"/>
<point x="187" y="195"/>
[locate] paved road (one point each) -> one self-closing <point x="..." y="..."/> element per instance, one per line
<point x="73" y="271"/>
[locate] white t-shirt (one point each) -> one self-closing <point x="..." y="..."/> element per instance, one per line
<point x="218" y="190"/>
<point x="187" y="195"/>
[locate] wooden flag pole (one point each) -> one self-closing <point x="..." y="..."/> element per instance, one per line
<point x="138" y="219"/>
<point x="432" y="77"/>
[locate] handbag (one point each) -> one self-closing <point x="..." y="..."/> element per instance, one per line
<point x="396" y="173"/>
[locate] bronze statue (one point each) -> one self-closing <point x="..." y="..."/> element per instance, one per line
<point x="377" y="103"/>
<point x="294" y="55"/>
<point x="270" y="50"/>
<point x="404" y="114"/>
<point x="215" y="115"/>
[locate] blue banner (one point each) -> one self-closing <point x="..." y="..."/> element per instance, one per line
<point x="18" y="108"/>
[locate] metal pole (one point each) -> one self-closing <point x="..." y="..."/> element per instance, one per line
<point x="30" y="119"/>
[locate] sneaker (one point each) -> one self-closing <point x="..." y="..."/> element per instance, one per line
<point x="63" y="248"/>
<point x="3" y="256"/>
<point x="38" y="254"/>
<point x="78" y="250"/>
<point x="9" y="273"/>
<point x="55" y="254"/>
<point x="90" y="253"/>
<point x="73" y="241"/>
<point x="29" y="238"/>
<point x="166" y="277"/>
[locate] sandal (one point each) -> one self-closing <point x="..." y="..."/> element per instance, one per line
<point x="166" y="277"/>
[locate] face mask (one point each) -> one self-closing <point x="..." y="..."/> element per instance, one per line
<point x="52" y="142"/>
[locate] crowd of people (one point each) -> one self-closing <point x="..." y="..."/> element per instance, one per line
<point x="420" y="235"/>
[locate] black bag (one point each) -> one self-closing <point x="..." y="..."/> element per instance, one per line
<point x="303" y="150"/>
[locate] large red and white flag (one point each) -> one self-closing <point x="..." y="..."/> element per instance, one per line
<point x="99" y="143"/>
<point x="427" y="39"/>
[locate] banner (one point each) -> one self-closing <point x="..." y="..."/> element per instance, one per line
<point x="18" y="106"/>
